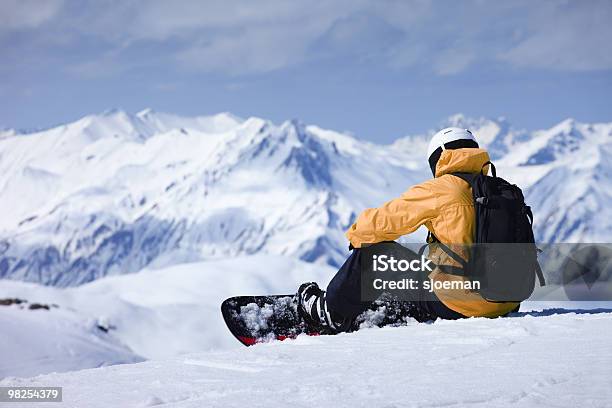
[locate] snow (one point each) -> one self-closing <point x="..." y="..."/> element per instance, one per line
<point x="40" y="341"/>
<point x="112" y="193"/>
<point x="156" y="313"/>
<point x="539" y="359"/>
<point x="138" y="226"/>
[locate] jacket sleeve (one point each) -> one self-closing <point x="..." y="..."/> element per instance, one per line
<point x="395" y="218"/>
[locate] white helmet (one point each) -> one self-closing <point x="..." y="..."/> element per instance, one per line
<point x="446" y="136"/>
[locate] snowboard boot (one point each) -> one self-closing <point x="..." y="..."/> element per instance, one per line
<point x="312" y="307"/>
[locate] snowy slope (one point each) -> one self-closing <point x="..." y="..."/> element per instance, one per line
<point x="42" y="341"/>
<point x="154" y="314"/>
<point x="558" y="360"/>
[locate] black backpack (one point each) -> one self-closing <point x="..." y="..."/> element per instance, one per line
<point x="504" y="257"/>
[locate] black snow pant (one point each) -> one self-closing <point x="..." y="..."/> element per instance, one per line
<point x="343" y="296"/>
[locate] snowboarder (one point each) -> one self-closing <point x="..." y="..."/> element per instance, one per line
<point x="445" y="207"/>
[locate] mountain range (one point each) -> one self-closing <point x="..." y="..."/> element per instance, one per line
<point x="114" y="192"/>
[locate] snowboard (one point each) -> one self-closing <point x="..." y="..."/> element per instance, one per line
<point x="260" y="319"/>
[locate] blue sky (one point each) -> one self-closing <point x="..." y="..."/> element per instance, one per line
<point x="380" y="69"/>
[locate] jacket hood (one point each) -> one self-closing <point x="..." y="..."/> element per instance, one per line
<point x="468" y="160"/>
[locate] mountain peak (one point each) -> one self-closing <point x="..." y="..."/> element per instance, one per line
<point x="146" y="112"/>
<point x="113" y="112"/>
<point x="565" y="126"/>
<point x="293" y="124"/>
<point x="229" y="116"/>
<point x="466" y="122"/>
<point x="457" y="118"/>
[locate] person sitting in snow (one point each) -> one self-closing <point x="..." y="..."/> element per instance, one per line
<point x="444" y="205"/>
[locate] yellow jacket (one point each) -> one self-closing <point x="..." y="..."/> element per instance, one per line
<point x="445" y="206"/>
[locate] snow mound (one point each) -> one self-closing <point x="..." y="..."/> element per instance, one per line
<point x="158" y="313"/>
<point x="43" y="341"/>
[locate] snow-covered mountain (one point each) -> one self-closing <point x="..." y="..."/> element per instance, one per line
<point x="112" y="193"/>
<point x="496" y="134"/>
<point x="565" y="172"/>
<point x="571" y="169"/>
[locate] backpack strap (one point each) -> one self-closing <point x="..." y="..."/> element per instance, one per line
<point x="539" y="274"/>
<point x="452" y="270"/>
<point x="538" y="270"/>
<point x="467" y="177"/>
<point x="493" y="170"/>
<point x="470" y="178"/>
